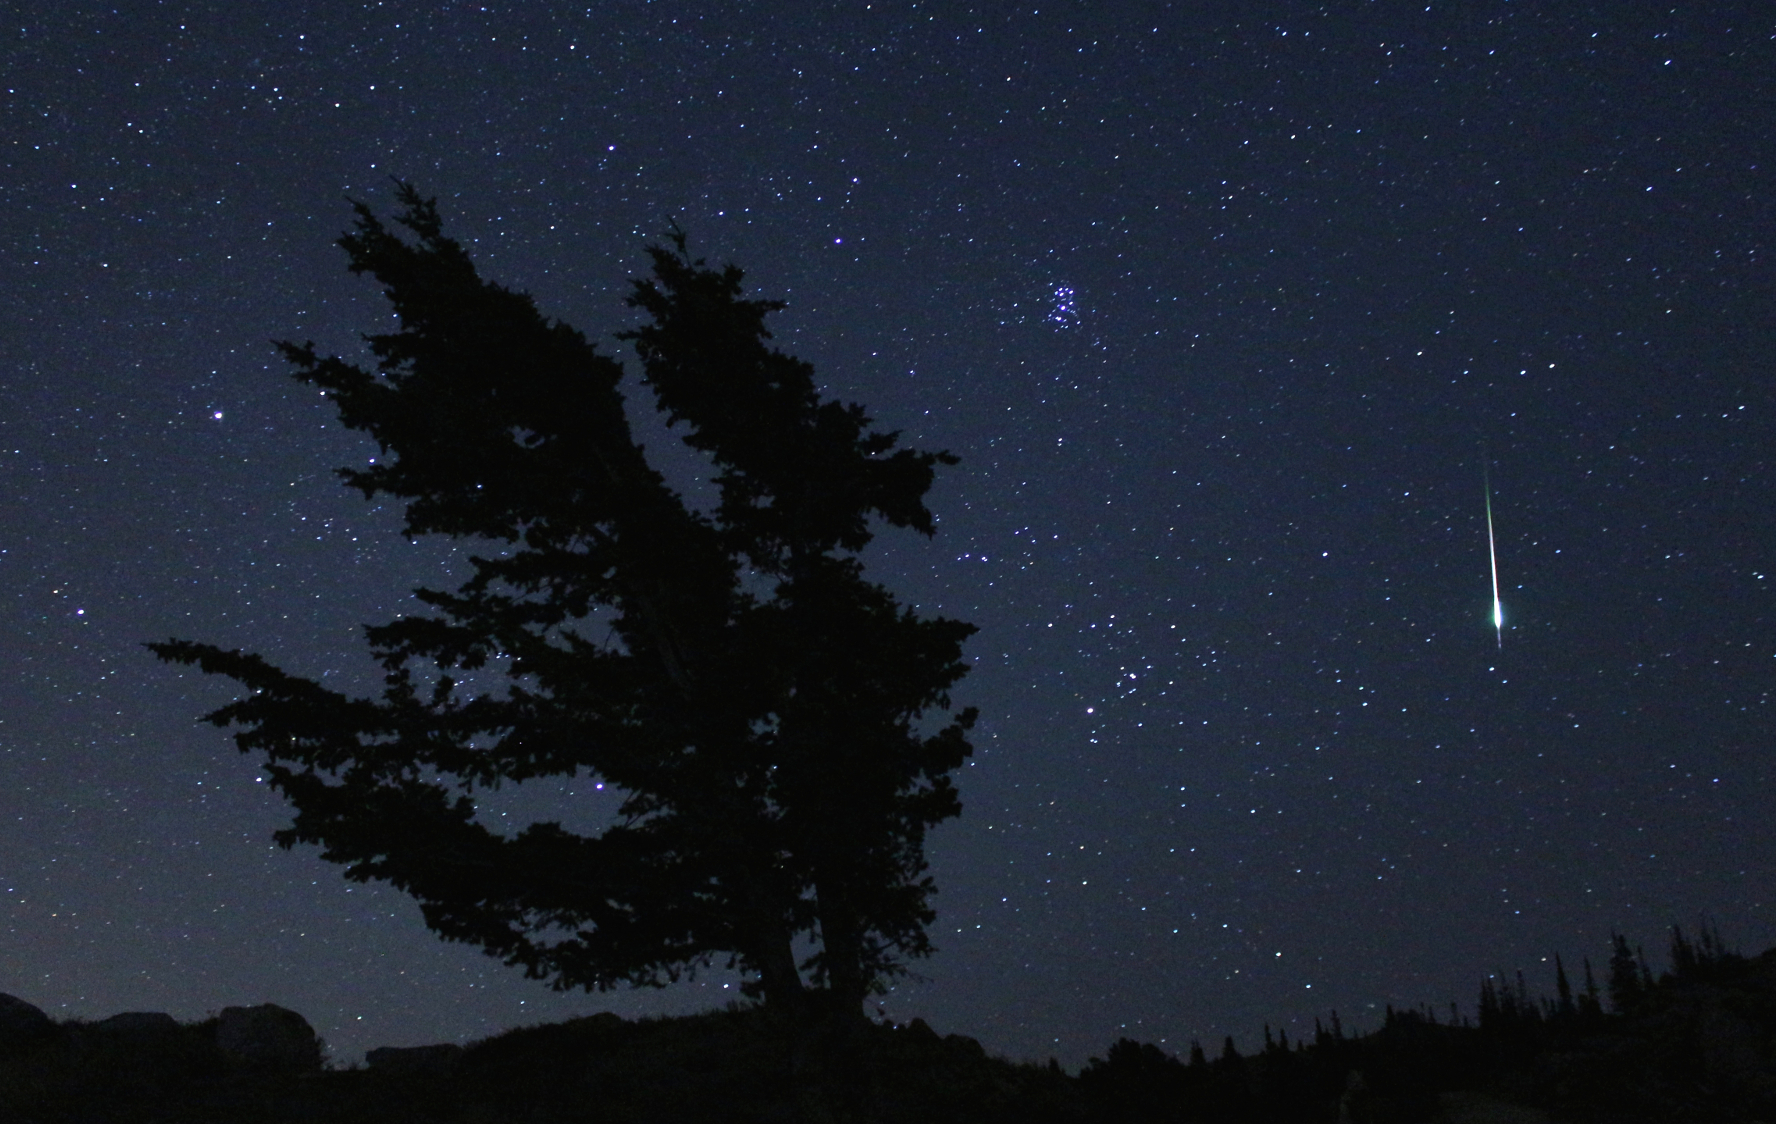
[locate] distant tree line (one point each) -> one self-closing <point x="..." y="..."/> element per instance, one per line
<point x="1692" y="1044"/>
<point x="1696" y="1042"/>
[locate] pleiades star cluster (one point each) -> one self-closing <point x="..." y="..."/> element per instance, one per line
<point x="1242" y="317"/>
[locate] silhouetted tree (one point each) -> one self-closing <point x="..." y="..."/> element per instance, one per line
<point x="1563" y="987"/>
<point x="1703" y="959"/>
<point x="1684" y="959"/>
<point x="1590" y="1005"/>
<point x="1489" y="1004"/>
<point x="1626" y="981"/>
<point x="778" y="727"/>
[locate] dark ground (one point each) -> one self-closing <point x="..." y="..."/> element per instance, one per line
<point x="1698" y="1044"/>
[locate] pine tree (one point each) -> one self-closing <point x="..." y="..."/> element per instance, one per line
<point x="1589" y="1004"/>
<point x="1684" y="960"/>
<point x="1490" y="1010"/>
<point x="1702" y="959"/>
<point x="1625" y="981"/>
<point x="1563" y="987"/>
<point x="778" y="727"/>
<point x="799" y="479"/>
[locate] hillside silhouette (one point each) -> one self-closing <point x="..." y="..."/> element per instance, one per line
<point x="1695" y="1043"/>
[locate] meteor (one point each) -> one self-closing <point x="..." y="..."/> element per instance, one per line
<point x="1498" y="609"/>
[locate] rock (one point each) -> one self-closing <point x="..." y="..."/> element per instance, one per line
<point x="139" y="1024"/>
<point x="21" y="1023"/>
<point x="267" y="1036"/>
<point x="415" y="1059"/>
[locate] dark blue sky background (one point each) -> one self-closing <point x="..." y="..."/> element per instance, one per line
<point x="1219" y="303"/>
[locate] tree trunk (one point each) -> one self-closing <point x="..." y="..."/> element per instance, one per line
<point x="769" y="943"/>
<point x="781" y="983"/>
<point x="841" y="945"/>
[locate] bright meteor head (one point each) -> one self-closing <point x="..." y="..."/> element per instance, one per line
<point x="1498" y="615"/>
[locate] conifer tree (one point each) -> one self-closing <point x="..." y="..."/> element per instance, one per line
<point x="1489" y="1004"/>
<point x="1563" y="987"/>
<point x="1589" y="1004"/>
<point x="778" y="727"/>
<point x="1684" y="959"/>
<point x="1626" y="983"/>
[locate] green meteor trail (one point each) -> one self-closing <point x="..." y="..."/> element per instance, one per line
<point x="1498" y="609"/>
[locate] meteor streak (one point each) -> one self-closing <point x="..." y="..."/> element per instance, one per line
<point x="1498" y="609"/>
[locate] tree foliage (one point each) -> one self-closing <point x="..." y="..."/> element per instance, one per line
<point x="779" y="727"/>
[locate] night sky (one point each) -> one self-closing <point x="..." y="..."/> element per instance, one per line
<point x="1226" y="309"/>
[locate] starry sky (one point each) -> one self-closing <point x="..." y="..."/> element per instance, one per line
<point x="1230" y="310"/>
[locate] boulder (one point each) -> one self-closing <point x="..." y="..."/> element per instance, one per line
<point x="428" y="1060"/>
<point x="138" y="1024"/>
<point x="22" y="1024"/>
<point x="267" y="1036"/>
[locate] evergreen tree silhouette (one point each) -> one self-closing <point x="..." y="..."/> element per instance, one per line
<point x="777" y="727"/>
<point x="1589" y="1003"/>
<point x="1489" y="1005"/>
<point x="1563" y="987"/>
<point x="1704" y="959"/>
<point x="1626" y="985"/>
<point x="1684" y="960"/>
